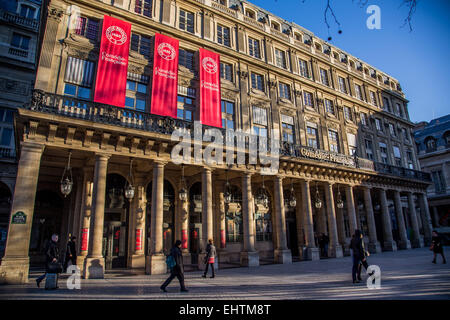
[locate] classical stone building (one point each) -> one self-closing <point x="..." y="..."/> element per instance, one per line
<point x="433" y="149"/>
<point x="19" y="28"/>
<point x="347" y="158"/>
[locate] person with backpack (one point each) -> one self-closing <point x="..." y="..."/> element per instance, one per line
<point x="175" y="263"/>
<point x="210" y="258"/>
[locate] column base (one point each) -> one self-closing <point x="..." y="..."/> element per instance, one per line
<point x="14" y="270"/>
<point x="389" y="246"/>
<point x="250" y="259"/>
<point x="335" y="252"/>
<point x="155" y="264"/>
<point x="80" y="262"/>
<point x="137" y="261"/>
<point x="404" y="244"/>
<point x="94" y="268"/>
<point x="282" y="256"/>
<point x="374" y="247"/>
<point x="417" y="243"/>
<point x="310" y="254"/>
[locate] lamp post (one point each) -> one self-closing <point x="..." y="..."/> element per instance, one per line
<point x="183" y="193"/>
<point x="66" y="179"/>
<point x="318" y="201"/>
<point x="129" y="189"/>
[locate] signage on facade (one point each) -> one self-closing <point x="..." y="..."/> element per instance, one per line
<point x="325" y="156"/>
<point x="165" y="76"/>
<point x="210" y="111"/>
<point x="19" y="218"/>
<point x="110" y="87"/>
<point x="138" y="239"/>
<point x="84" y="239"/>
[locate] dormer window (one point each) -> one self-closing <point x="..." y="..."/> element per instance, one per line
<point x="250" y="13"/>
<point x="430" y="144"/>
<point x="298" y="36"/>
<point x="275" y="26"/>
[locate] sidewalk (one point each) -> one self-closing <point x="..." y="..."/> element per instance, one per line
<point x="405" y="274"/>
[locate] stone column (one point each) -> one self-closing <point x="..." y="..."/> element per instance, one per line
<point x="334" y="248"/>
<point x="374" y="245"/>
<point x="94" y="266"/>
<point x="416" y="241"/>
<point x="426" y="219"/>
<point x="138" y="214"/>
<point x="155" y="262"/>
<point x="184" y="226"/>
<point x="300" y="218"/>
<point x="404" y="242"/>
<point x="312" y="252"/>
<point x="351" y="209"/>
<point x="282" y="253"/>
<point x="15" y="264"/>
<point x="86" y="217"/>
<point x="249" y="255"/>
<point x="389" y="243"/>
<point x="207" y="215"/>
<point x="221" y="216"/>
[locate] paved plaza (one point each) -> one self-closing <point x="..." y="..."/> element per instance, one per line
<point x="405" y="274"/>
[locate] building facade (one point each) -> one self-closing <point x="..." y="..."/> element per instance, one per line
<point x="19" y="29"/>
<point x="433" y="149"/>
<point x="347" y="158"/>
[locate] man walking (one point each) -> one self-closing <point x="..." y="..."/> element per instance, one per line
<point x="178" y="269"/>
<point x="358" y="253"/>
<point x="71" y="253"/>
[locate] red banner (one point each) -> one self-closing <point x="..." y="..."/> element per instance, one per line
<point x="210" y="112"/>
<point x="165" y="76"/>
<point x="84" y="239"/>
<point x="138" y="239"/>
<point x="111" y="82"/>
<point x="184" y="239"/>
<point x="222" y="239"/>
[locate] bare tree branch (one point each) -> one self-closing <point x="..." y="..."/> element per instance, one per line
<point x="412" y="4"/>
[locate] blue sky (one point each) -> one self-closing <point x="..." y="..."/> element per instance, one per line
<point x="420" y="59"/>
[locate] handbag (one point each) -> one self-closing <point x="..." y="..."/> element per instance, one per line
<point x="54" y="267"/>
<point x="432" y="247"/>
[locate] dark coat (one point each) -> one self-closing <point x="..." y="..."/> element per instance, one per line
<point x="437" y="244"/>
<point x="52" y="252"/>
<point x="71" y="249"/>
<point x="357" y="246"/>
<point x="175" y="252"/>
<point x="210" y="252"/>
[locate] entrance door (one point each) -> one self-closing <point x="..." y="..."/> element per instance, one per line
<point x="114" y="249"/>
<point x="292" y="238"/>
<point x="194" y="243"/>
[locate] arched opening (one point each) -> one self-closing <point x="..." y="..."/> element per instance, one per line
<point x="195" y="220"/>
<point x="233" y="217"/>
<point x="5" y="208"/>
<point x="47" y="219"/>
<point x="115" y="228"/>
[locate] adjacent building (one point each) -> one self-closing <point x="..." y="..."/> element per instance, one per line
<point x="433" y="150"/>
<point x="347" y="157"/>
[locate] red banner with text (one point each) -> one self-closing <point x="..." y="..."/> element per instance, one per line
<point x="210" y="112"/>
<point x="165" y="76"/>
<point x="84" y="239"/>
<point x="138" y="239"/>
<point x="110" y="86"/>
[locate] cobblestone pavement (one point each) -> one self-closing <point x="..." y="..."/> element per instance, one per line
<point x="405" y="274"/>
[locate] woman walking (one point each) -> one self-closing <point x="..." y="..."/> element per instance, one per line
<point x="436" y="246"/>
<point x="210" y="258"/>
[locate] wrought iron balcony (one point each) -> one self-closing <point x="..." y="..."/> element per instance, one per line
<point x="17" y="19"/>
<point x="7" y="153"/>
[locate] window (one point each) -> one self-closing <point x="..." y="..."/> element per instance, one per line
<point x="308" y="99"/>
<point x="6" y="131"/>
<point x="378" y="124"/>
<point x="342" y="86"/>
<point x="275" y="26"/>
<point x="280" y="58"/>
<point x="250" y="14"/>
<point x="287" y="123"/>
<point x="304" y="71"/>
<point x="257" y="81"/>
<point x="312" y="135"/>
<point x="223" y="35"/>
<point x="234" y="227"/>
<point x="386" y="104"/>
<point x="186" y="59"/>
<point x="285" y="90"/>
<point x="20" y="41"/>
<point x="136" y="94"/>
<point x="409" y="159"/>
<point x="263" y="224"/>
<point x="358" y="92"/>
<point x="363" y="117"/>
<point x="87" y="28"/>
<point x="398" y="110"/>
<point x="186" y="21"/>
<point x="78" y="78"/>
<point x="348" y="114"/>
<point x="253" y="48"/>
<point x="324" y="77"/>
<point x="329" y="107"/>
<point x="351" y="139"/>
<point x="144" y="7"/>
<point x="383" y="152"/>
<point x="405" y="134"/>
<point x="227" y="115"/>
<point x="186" y="103"/>
<point x="397" y="156"/>
<point x="439" y="182"/>
<point x="369" y="149"/>
<point x="430" y="144"/>
<point x="373" y="98"/>
<point x="226" y="71"/>
<point x="333" y="138"/>
<point x="27" y="11"/>
<point x="140" y="44"/>
<point x="391" y="129"/>
<point x="259" y="121"/>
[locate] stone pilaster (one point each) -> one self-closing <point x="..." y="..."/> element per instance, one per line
<point x="334" y="249"/>
<point x="374" y="244"/>
<point x="312" y="252"/>
<point x="351" y="209"/>
<point x="15" y="263"/>
<point x="389" y="243"/>
<point x="404" y="242"/>
<point x="282" y="253"/>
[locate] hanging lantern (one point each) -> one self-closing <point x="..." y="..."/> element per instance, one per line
<point x="292" y="200"/>
<point x="262" y="196"/>
<point x="339" y="202"/>
<point x="182" y="193"/>
<point x="66" y="179"/>
<point x="227" y="194"/>
<point x="129" y="189"/>
<point x="318" y="202"/>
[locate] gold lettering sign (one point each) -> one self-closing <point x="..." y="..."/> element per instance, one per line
<point x="325" y="156"/>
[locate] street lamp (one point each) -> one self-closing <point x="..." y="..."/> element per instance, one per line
<point x="129" y="189"/>
<point x="339" y="202"/>
<point x="318" y="202"/>
<point x="182" y="193"/>
<point x="66" y="179"/>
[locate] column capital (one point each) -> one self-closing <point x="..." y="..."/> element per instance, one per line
<point x="159" y="163"/>
<point x="33" y="146"/>
<point x="102" y="156"/>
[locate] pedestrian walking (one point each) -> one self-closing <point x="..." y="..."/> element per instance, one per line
<point x="71" y="253"/>
<point x="363" y="262"/>
<point x="210" y="258"/>
<point x="178" y="269"/>
<point x="436" y="246"/>
<point x="358" y="254"/>
<point x="52" y="261"/>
